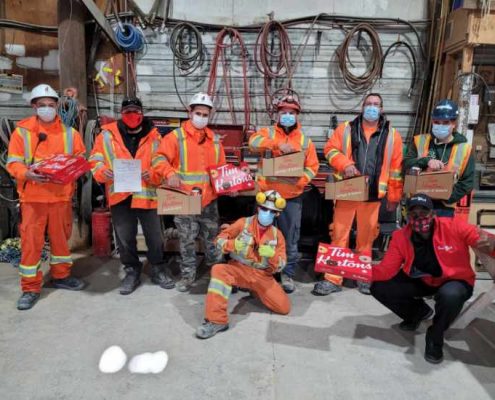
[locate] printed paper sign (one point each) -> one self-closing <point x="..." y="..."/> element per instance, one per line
<point x="127" y="175"/>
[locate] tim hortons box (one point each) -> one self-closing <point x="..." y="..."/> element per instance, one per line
<point x="62" y="169"/>
<point x="343" y="262"/>
<point x="355" y="189"/>
<point x="288" y="165"/>
<point x="437" y="185"/>
<point x="178" y="202"/>
<point x="229" y="178"/>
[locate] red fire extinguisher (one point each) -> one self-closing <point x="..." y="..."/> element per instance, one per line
<point x="102" y="232"/>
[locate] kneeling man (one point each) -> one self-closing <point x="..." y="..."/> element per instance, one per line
<point x="257" y="251"/>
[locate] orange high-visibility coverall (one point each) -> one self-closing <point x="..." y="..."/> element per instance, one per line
<point x="269" y="139"/>
<point x="45" y="207"/>
<point x="110" y="145"/>
<point x="338" y="152"/>
<point x="188" y="152"/>
<point x="247" y="269"/>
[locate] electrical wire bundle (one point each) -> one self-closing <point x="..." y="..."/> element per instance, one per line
<point x="220" y="56"/>
<point x="364" y="82"/>
<point x="414" y="76"/>
<point x="188" y="51"/>
<point x="275" y="63"/>
<point x="68" y="110"/>
<point x="129" y="37"/>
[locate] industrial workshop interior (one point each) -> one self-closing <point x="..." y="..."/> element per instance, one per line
<point x="247" y="199"/>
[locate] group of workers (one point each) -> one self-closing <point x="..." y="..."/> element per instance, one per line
<point x="429" y="256"/>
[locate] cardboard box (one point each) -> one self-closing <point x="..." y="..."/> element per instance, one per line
<point x="62" y="169"/>
<point x="288" y="165"/>
<point x="355" y="189"/>
<point x="229" y="178"/>
<point x="465" y="28"/>
<point x="177" y="202"/>
<point x="344" y="262"/>
<point x="437" y="185"/>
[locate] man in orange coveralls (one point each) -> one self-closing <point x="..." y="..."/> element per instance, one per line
<point x="45" y="206"/>
<point x="370" y="146"/>
<point x="257" y="251"/>
<point x="285" y="137"/>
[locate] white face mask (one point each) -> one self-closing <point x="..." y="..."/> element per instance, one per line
<point x="46" y="114"/>
<point x="199" y="122"/>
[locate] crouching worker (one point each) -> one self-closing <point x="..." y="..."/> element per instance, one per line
<point x="428" y="257"/>
<point x="257" y="251"/>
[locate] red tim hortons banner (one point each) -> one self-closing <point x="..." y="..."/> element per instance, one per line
<point x="344" y="262"/>
<point x="229" y="178"/>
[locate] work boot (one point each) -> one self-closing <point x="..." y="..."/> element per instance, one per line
<point x="413" y="325"/>
<point x="364" y="288"/>
<point x="185" y="283"/>
<point x="160" y="277"/>
<point x="433" y="351"/>
<point x="27" y="300"/>
<point x="287" y="283"/>
<point x="209" y="329"/>
<point x="324" y="288"/>
<point x="131" y="281"/>
<point x="69" y="283"/>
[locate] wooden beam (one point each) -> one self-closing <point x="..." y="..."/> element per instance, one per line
<point x="101" y="21"/>
<point x="467" y="59"/>
<point x="72" y="47"/>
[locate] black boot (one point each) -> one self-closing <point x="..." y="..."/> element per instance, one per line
<point x="131" y="280"/>
<point x="162" y="278"/>
<point x="433" y="349"/>
<point x="27" y="300"/>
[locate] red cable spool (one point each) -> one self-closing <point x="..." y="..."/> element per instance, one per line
<point x="101" y="232"/>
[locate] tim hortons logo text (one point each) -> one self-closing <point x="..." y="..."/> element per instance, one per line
<point x="227" y="176"/>
<point x="341" y="258"/>
<point x="288" y="166"/>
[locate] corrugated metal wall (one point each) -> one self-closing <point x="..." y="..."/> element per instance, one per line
<point x="317" y="80"/>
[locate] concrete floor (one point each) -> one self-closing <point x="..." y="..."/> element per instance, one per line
<point x="344" y="346"/>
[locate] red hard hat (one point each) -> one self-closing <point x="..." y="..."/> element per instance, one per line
<point x="289" y="101"/>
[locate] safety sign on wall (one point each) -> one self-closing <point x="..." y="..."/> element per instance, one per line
<point x="11" y="83"/>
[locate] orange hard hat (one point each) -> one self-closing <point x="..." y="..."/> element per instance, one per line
<point x="289" y="101"/>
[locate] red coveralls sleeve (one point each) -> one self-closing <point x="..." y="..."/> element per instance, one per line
<point x="392" y="261"/>
<point x="166" y="159"/>
<point x="225" y="239"/>
<point x="15" y="158"/>
<point x="395" y="182"/>
<point x="260" y="141"/>
<point x="79" y="148"/>
<point x="98" y="161"/>
<point x="334" y="151"/>
<point x="311" y="166"/>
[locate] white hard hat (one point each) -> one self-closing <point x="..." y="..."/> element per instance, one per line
<point x="201" y="99"/>
<point x="42" y="90"/>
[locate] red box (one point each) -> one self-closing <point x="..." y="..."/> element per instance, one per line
<point x="229" y="178"/>
<point x="344" y="262"/>
<point x="62" y="169"/>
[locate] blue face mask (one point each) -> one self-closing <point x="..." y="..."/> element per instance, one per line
<point x="287" y="120"/>
<point x="265" y="217"/>
<point x="440" y="131"/>
<point x="371" y="113"/>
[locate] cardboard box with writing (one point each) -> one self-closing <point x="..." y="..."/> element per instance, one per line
<point x="177" y="202"/>
<point x="355" y="189"/>
<point x="437" y="185"/>
<point x="288" y="165"/>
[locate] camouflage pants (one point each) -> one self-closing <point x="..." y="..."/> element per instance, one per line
<point x="192" y="226"/>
